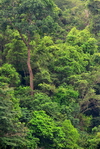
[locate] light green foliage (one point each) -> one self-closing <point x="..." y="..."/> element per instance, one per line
<point x="43" y="58"/>
<point x="43" y="127"/>
<point x="69" y="62"/>
<point x="67" y="98"/>
<point x="22" y="91"/>
<point x="94" y="142"/>
<point x="71" y="133"/>
<point x="46" y="129"/>
<point x="76" y="55"/>
<point x="43" y="124"/>
<point x="82" y="39"/>
<point x="47" y="88"/>
<point x="56" y="62"/>
<point x="9" y="75"/>
<point x="43" y="102"/>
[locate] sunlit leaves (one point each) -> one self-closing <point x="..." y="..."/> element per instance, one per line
<point x="46" y="129"/>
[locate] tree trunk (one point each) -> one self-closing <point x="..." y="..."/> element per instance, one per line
<point x="30" y="71"/>
<point x="28" y="61"/>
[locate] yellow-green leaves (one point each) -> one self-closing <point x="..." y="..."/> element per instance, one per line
<point x="44" y="127"/>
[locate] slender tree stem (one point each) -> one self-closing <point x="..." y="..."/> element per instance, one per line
<point x="28" y="62"/>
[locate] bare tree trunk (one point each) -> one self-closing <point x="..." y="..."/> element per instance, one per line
<point x="28" y="61"/>
<point x="30" y="71"/>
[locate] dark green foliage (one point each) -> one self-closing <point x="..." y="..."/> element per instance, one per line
<point x="9" y="75"/>
<point x="29" y="17"/>
<point x="12" y="131"/>
<point x="74" y="13"/>
<point x="94" y="7"/>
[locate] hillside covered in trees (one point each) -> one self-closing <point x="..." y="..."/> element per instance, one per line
<point x="49" y="74"/>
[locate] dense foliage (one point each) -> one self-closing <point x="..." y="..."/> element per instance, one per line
<point x="49" y="74"/>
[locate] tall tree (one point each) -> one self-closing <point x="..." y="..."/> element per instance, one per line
<point x="29" y="17"/>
